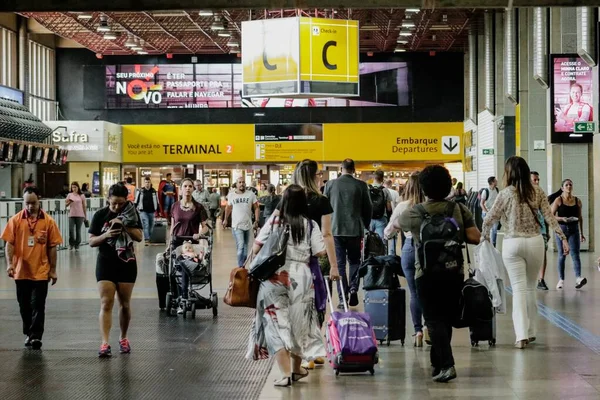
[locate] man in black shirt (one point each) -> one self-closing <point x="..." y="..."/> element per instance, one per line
<point x="146" y="201"/>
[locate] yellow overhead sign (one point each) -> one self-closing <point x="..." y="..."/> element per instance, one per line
<point x="229" y="143"/>
<point x="328" y="50"/>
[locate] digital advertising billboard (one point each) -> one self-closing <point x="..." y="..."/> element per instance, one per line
<point x="382" y="84"/>
<point x="572" y="99"/>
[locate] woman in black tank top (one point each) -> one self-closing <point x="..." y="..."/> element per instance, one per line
<point x="567" y="208"/>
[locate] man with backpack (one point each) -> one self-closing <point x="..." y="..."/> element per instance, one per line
<point x="382" y="204"/>
<point x="352" y="210"/>
<point x="488" y="197"/>
<point x="439" y="228"/>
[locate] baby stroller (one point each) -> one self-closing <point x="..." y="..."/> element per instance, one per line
<point x="198" y="274"/>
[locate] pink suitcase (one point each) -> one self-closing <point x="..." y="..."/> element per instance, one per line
<point x="360" y="354"/>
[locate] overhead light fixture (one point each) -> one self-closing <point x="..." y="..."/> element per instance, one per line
<point x="137" y="46"/>
<point x="84" y="16"/>
<point x="110" y="36"/>
<point x="103" y="27"/>
<point x="413" y="10"/>
<point x="233" y="43"/>
<point x="224" y="34"/>
<point x="142" y="52"/>
<point x="205" y="13"/>
<point x="402" y="41"/>
<point x="399" y="49"/>
<point x="130" y="42"/>
<point x="234" y="51"/>
<point x="405" y="33"/>
<point x="408" y="24"/>
<point x="217" y="26"/>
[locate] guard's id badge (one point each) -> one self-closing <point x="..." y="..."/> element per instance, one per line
<point x="30" y="241"/>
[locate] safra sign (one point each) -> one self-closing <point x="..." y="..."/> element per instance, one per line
<point x="300" y="56"/>
<point x="73" y="140"/>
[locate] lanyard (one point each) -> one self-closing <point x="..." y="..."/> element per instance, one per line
<point x="32" y="228"/>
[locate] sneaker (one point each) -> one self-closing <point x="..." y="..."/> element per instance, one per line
<point x="180" y="310"/>
<point x="542" y="285"/>
<point x="308" y="365"/>
<point x="560" y="284"/>
<point x="146" y="243"/>
<point x="341" y="306"/>
<point x="124" y="346"/>
<point x="446" y="375"/>
<point x="36" y="344"/>
<point x="27" y="341"/>
<point x="105" y="351"/>
<point x="580" y="282"/>
<point x="319" y="361"/>
<point x="353" y="302"/>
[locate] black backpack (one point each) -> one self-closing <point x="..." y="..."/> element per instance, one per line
<point x="373" y="245"/>
<point x="475" y="304"/>
<point x="440" y="246"/>
<point x="377" y="195"/>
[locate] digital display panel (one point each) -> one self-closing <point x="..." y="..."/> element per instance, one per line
<point x="572" y="99"/>
<point x="382" y="84"/>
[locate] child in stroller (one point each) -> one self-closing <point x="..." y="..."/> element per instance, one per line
<point x="191" y="267"/>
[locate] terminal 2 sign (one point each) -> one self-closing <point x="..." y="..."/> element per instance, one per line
<point x="300" y="56"/>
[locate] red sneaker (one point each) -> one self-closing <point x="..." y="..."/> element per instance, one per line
<point x="124" y="346"/>
<point x="105" y="351"/>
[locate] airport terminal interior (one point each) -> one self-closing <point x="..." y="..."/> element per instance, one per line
<point x="110" y="112"/>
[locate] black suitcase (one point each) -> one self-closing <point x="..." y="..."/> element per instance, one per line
<point x="159" y="233"/>
<point x="387" y="309"/>
<point x="481" y="331"/>
<point x="162" y="286"/>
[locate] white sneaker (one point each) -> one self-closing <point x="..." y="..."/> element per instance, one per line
<point x="580" y="282"/>
<point x="180" y="310"/>
<point x="560" y="284"/>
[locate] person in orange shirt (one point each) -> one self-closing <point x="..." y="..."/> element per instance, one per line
<point x="31" y="238"/>
<point x="130" y="189"/>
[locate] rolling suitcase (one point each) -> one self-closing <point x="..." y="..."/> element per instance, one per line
<point x="350" y="341"/>
<point x="387" y="309"/>
<point x="482" y="331"/>
<point x="159" y="232"/>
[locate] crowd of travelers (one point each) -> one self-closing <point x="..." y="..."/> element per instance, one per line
<point x="326" y="221"/>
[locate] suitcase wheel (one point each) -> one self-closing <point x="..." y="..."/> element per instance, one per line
<point x="372" y="371"/>
<point x="402" y="341"/>
<point x="492" y="342"/>
<point x="388" y="342"/>
<point x="337" y="372"/>
<point x="474" y="343"/>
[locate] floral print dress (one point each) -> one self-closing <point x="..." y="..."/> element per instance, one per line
<point x="286" y="317"/>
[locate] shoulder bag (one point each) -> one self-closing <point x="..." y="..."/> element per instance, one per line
<point x="271" y="256"/>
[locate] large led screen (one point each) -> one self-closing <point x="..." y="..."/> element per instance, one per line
<point x="572" y="98"/>
<point x="382" y="84"/>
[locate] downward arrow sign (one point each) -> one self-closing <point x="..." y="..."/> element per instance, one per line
<point x="450" y="145"/>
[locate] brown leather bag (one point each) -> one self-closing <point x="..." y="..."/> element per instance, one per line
<point x="242" y="290"/>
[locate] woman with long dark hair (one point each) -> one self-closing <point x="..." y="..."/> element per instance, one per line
<point x="77" y="215"/>
<point x="286" y="323"/>
<point x="319" y="210"/>
<point x="113" y="230"/>
<point x="413" y="195"/>
<point x="523" y="249"/>
<point x="568" y="209"/>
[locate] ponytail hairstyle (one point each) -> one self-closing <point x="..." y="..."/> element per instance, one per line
<point x="294" y="208"/>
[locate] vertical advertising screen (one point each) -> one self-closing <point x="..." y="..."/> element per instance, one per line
<point x="572" y="99"/>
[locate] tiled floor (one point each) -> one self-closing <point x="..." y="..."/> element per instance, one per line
<point x="557" y="366"/>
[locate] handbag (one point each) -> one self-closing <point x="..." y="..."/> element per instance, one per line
<point x="242" y="290"/>
<point x="271" y="256"/>
<point x="381" y="273"/>
<point x="86" y="223"/>
<point x="317" y="275"/>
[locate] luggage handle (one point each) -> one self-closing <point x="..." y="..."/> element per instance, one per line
<point x="329" y="295"/>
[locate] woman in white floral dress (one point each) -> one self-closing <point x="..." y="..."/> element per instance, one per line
<point x="286" y="323"/>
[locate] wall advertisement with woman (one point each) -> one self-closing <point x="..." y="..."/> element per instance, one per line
<point x="572" y="98"/>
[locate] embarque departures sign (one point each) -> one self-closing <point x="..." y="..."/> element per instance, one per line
<point x="300" y="56"/>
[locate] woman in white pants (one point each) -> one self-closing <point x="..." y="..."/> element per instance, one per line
<point x="520" y="207"/>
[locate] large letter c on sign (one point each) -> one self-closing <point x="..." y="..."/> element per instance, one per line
<point x="270" y="67"/>
<point x="325" y="48"/>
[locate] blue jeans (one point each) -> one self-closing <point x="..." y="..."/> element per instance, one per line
<point x="243" y="244"/>
<point x="378" y="226"/>
<point x="573" y="236"/>
<point x="147" y="223"/>
<point x="408" y="266"/>
<point x="392" y="243"/>
<point x="494" y="232"/>
<point x="348" y="248"/>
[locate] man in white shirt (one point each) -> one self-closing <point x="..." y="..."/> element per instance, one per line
<point x="488" y="197"/>
<point x="240" y="205"/>
<point x="200" y="194"/>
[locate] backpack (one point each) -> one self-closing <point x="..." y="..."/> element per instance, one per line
<point x="440" y="246"/>
<point x="475" y="304"/>
<point x="379" y="201"/>
<point x="373" y="245"/>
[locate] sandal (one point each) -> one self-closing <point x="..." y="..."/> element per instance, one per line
<point x="296" y="377"/>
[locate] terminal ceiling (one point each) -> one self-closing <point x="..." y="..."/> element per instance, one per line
<point x="192" y="31"/>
